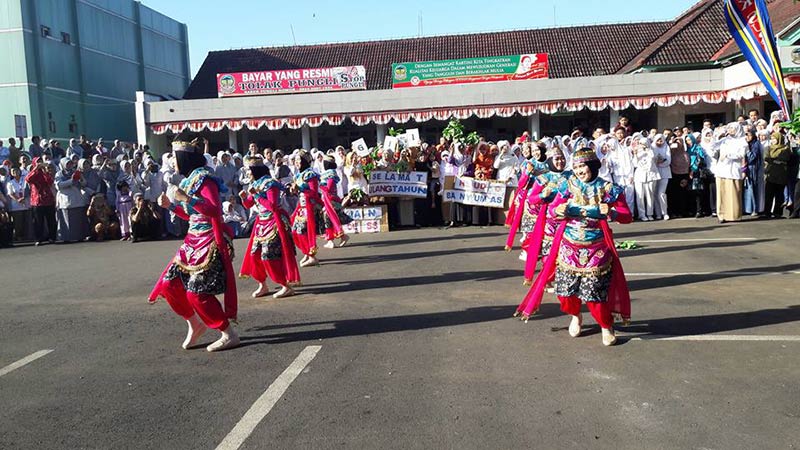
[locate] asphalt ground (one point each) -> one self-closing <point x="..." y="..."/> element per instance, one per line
<point x="418" y="349"/>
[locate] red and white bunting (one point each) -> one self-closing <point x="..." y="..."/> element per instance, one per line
<point x="482" y="112"/>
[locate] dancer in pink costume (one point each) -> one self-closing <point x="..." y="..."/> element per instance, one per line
<point x="540" y="240"/>
<point x="333" y="216"/>
<point x="585" y="263"/>
<point x="270" y="251"/>
<point x="202" y="267"/>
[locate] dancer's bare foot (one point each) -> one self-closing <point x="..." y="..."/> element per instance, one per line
<point x="229" y="339"/>
<point x="196" y="330"/>
<point x="262" y="290"/>
<point x="285" y="291"/>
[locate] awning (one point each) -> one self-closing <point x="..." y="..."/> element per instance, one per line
<point x="482" y="112"/>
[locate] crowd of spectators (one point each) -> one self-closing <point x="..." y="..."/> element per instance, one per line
<point x="90" y="192"/>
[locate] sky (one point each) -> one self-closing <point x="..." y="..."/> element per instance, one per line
<point x="223" y="25"/>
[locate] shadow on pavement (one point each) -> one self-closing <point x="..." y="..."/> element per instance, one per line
<point x="647" y="250"/>
<point x="377" y="283"/>
<point x="444" y="237"/>
<point x="678" y="280"/>
<point x="377" y="325"/>
<point x="380" y="257"/>
<point x="650" y="232"/>
<point x="715" y="323"/>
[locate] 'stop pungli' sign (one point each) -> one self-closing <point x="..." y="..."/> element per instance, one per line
<point x="291" y="81"/>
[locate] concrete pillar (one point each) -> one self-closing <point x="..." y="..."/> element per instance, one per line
<point x="306" y="133"/>
<point x="613" y="119"/>
<point x="795" y="100"/>
<point x="533" y="126"/>
<point x="231" y="139"/>
<point x="380" y="134"/>
<point x="141" y="119"/>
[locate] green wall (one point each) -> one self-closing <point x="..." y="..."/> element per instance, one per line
<point x="89" y="85"/>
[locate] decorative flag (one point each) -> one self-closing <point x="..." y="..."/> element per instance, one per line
<point x="748" y="21"/>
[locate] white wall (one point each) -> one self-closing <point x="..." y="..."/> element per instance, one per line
<point x="529" y="91"/>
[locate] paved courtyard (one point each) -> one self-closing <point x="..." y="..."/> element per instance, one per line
<point x="405" y="340"/>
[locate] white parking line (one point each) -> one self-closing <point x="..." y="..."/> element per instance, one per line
<point x="655" y="241"/>
<point x="716" y="337"/>
<point x="683" y="274"/>
<point x="26" y="360"/>
<point x="267" y="400"/>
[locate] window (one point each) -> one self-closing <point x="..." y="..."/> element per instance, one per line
<point x="65" y="38"/>
<point x="45" y="31"/>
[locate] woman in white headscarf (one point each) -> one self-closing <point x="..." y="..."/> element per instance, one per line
<point x="318" y="158"/>
<point x="620" y="161"/>
<point x="506" y="164"/>
<point x="645" y="177"/>
<point x="171" y="179"/>
<point x="94" y="184"/>
<point x="663" y="157"/>
<point x="710" y="144"/>
<point x="227" y="171"/>
<point x="775" y="118"/>
<point x="729" y="173"/>
<point x="126" y="174"/>
<point x="603" y="147"/>
<point x="339" y="157"/>
<point x="211" y="161"/>
<point x="565" y="143"/>
<point x="73" y="224"/>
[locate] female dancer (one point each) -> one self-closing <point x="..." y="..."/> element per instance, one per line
<point x="202" y="267"/>
<point x="270" y="250"/>
<point x="332" y="213"/>
<point x="521" y="214"/>
<point x="306" y="216"/>
<point x="539" y="242"/>
<point x="586" y="264"/>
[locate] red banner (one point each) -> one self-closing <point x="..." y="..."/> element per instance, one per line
<point x="291" y="81"/>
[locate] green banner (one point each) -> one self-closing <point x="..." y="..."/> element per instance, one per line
<point x="470" y="70"/>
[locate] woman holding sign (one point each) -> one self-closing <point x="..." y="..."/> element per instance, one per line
<point x="586" y="264"/>
<point x="270" y="250"/>
<point x="306" y="217"/>
<point x="332" y="213"/>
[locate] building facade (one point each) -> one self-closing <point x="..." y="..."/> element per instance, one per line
<point x="73" y="67"/>
<point x="658" y="74"/>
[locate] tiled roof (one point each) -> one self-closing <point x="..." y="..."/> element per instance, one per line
<point x="783" y="13"/>
<point x="701" y="35"/>
<point x="573" y="52"/>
